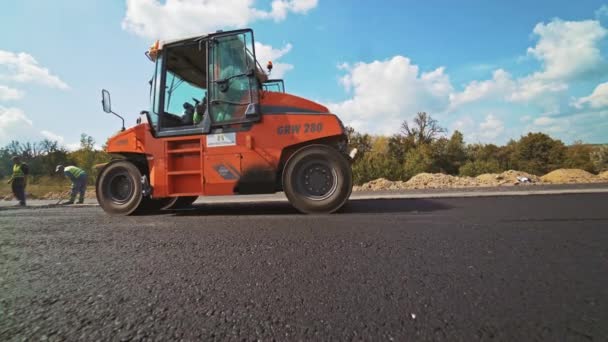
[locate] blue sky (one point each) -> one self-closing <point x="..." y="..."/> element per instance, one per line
<point x="492" y="69"/>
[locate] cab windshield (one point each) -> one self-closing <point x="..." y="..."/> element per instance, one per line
<point x="216" y="78"/>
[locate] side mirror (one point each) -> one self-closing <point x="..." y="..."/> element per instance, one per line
<point x="107" y="105"/>
<point x="105" y="101"/>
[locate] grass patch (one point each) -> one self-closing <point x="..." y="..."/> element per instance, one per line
<point x="37" y="187"/>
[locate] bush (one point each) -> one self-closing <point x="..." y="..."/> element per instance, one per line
<point x="478" y="167"/>
<point x="599" y="159"/>
<point x="578" y="156"/>
<point x="418" y="160"/>
<point x="538" y="153"/>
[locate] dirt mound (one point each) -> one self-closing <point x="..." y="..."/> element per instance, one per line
<point x="511" y="177"/>
<point x="381" y="184"/>
<point x="564" y="176"/>
<point x="442" y="181"/>
<point x="603" y="176"/>
<point x="439" y="180"/>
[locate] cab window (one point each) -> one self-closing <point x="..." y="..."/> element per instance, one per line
<point x="185" y="87"/>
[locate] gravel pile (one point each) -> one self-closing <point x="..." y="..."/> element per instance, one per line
<point x="507" y="178"/>
<point x="439" y="180"/>
<point x="566" y="176"/>
<point x="381" y="184"/>
<point x="511" y="177"/>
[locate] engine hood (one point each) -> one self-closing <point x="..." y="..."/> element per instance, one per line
<point x="275" y="103"/>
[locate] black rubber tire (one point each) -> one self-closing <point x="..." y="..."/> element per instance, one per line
<point x="126" y="176"/>
<point x="337" y="179"/>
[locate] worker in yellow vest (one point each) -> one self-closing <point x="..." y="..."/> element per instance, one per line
<point x="18" y="181"/>
<point x="79" y="181"/>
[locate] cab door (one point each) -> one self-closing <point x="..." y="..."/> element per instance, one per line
<point x="233" y="107"/>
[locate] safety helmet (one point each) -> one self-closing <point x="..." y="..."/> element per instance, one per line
<point x="59" y="168"/>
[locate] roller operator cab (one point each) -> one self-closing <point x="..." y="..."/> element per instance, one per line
<point x="218" y="126"/>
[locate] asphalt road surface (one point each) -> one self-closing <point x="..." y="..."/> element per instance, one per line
<point x="458" y="269"/>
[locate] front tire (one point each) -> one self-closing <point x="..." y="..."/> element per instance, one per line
<point x="317" y="180"/>
<point x="119" y="188"/>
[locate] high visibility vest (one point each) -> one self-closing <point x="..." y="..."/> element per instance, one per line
<point x="76" y="172"/>
<point x="17" y="171"/>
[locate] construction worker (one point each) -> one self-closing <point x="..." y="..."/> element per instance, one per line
<point x="18" y="180"/>
<point x="79" y="181"/>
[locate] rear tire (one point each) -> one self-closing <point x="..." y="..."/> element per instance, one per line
<point x="119" y="189"/>
<point x="317" y="180"/>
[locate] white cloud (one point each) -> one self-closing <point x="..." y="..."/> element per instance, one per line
<point x="7" y="93"/>
<point x="500" y="84"/>
<point x="23" y="68"/>
<point x="177" y="18"/>
<point x="13" y="124"/>
<point x="567" y="51"/>
<point x="491" y="128"/>
<point x="597" y="99"/>
<point x="384" y="93"/>
<point x="549" y="125"/>
<point x="532" y="87"/>
<point x="280" y="9"/>
<point x="544" y="121"/>
<point x="488" y="130"/>
<point x="265" y="53"/>
<point x="602" y="11"/>
<point x="52" y="136"/>
<point x="16" y="125"/>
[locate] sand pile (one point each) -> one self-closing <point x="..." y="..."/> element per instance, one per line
<point x="439" y="180"/>
<point x="381" y="184"/>
<point x="506" y="178"/>
<point x="565" y="176"/>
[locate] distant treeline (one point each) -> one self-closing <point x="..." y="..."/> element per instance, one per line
<point x="42" y="157"/>
<point x="422" y="146"/>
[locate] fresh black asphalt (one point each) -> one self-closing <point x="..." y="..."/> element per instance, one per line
<point x="460" y="269"/>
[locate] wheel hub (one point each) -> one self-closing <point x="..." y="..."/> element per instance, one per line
<point x="317" y="181"/>
<point x="120" y="188"/>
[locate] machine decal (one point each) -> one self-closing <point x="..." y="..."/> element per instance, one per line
<point x="225" y="172"/>
<point x="313" y="127"/>
<point x="221" y="139"/>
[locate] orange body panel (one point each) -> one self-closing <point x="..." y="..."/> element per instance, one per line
<point x="235" y="160"/>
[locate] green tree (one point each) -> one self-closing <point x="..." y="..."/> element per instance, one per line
<point x="578" y="156"/>
<point x="478" y="167"/>
<point x="599" y="158"/>
<point x="538" y="153"/>
<point x="362" y="142"/>
<point x="376" y="163"/>
<point x="423" y="130"/>
<point x="86" y="157"/>
<point x="418" y="160"/>
<point x="450" y="154"/>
